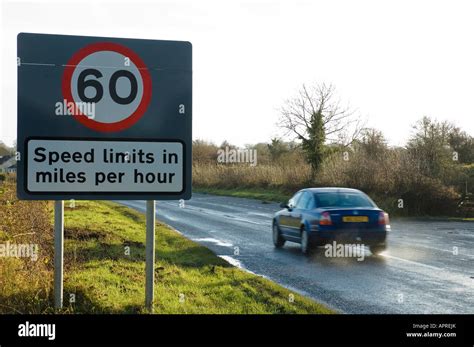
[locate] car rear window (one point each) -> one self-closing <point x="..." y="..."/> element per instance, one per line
<point x="342" y="200"/>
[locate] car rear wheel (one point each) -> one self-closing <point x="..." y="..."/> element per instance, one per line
<point x="278" y="240"/>
<point x="305" y="242"/>
<point x="377" y="249"/>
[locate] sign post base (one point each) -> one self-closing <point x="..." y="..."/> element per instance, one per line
<point x="58" y="253"/>
<point x="150" y="255"/>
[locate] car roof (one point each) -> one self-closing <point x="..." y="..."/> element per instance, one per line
<point x="332" y="190"/>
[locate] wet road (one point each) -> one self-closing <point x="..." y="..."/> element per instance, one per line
<point x="427" y="268"/>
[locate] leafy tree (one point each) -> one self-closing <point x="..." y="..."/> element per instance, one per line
<point x="315" y="118"/>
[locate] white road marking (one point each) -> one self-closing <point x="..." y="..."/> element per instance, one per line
<point x="231" y="261"/>
<point x="213" y="240"/>
<point x="234" y="262"/>
<point x="267" y="215"/>
<point x="411" y="261"/>
<point x="446" y="250"/>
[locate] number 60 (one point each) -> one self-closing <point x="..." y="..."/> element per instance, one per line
<point x="82" y="84"/>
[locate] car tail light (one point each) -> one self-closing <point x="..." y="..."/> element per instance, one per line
<point x="325" y="219"/>
<point x="383" y="218"/>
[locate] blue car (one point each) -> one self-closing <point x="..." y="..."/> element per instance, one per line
<point x="317" y="216"/>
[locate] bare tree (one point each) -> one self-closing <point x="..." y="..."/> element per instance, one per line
<point x="373" y="143"/>
<point x="316" y="118"/>
<point x="429" y="146"/>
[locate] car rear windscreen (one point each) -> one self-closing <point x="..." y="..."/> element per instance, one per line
<point x="343" y="200"/>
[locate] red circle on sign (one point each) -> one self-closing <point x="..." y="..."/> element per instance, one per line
<point x="108" y="46"/>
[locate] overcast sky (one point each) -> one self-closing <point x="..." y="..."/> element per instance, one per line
<point x="393" y="61"/>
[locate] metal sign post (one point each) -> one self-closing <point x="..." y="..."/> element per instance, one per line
<point x="58" y="253"/>
<point x="150" y="255"/>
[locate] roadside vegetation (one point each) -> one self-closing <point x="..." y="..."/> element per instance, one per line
<point x="25" y="285"/>
<point x="105" y="266"/>
<point x="326" y="145"/>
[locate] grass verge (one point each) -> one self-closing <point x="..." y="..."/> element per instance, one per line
<point x="105" y="267"/>
<point x="106" y="278"/>
<point x="264" y="194"/>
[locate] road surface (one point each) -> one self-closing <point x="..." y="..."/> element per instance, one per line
<point x="427" y="268"/>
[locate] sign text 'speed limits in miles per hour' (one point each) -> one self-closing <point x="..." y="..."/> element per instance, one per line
<point x="112" y="166"/>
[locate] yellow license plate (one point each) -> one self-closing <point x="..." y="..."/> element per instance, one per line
<point x="355" y="219"/>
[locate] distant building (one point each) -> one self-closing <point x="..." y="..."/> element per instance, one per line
<point x="11" y="169"/>
<point x="7" y="164"/>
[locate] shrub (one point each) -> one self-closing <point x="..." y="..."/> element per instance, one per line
<point x="28" y="288"/>
<point x="386" y="174"/>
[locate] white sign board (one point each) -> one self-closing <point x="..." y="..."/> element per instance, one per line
<point x="109" y="166"/>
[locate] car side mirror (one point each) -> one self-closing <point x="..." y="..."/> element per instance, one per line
<point x="284" y="205"/>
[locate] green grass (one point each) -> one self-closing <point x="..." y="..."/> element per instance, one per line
<point x="264" y="194"/>
<point x="189" y="278"/>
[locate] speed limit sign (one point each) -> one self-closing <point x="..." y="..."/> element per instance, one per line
<point x="121" y="94"/>
<point x="104" y="118"/>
